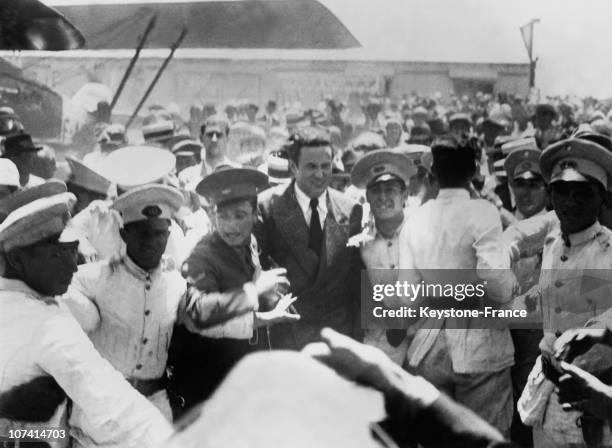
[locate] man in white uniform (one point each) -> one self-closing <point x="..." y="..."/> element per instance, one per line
<point x="456" y="232"/>
<point x="45" y="356"/>
<point x="385" y="175"/>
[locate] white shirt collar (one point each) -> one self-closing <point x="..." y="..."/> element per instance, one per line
<point x="378" y="235"/>
<point x="10" y="284"/>
<point x="209" y="169"/>
<point x="137" y="271"/>
<point x="518" y="215"/>
<point x="453" y="193"/>
<point x="304" y="202"/>
<point x="585" y="235"/>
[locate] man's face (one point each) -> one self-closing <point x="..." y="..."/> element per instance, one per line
<point x="459" y="128"/>
<point x="372" y="111"/>
<point x="146" y="241"/>
<point x="215" y="142"/>
<point x="530" y="195"/>
<point x="47" y="266"/>
<point x="234" y="222"/>
<point x="491" y="132"/>
<point x="251" y="112"/>
<point x="543" y="121"/>
<point x="230" y="112"/>
<point x="314" y="170"/>
<point x="577" y="204"/>
<point x="393" y="134"/>
<point x="84" y="197"/>
<point x="387" y="199"/>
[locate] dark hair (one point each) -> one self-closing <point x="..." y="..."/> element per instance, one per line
<point x="306" y="138"/>
<point x="213" y="118"/>
<point x="454" y="160"/>
<point x="251" y="200"/>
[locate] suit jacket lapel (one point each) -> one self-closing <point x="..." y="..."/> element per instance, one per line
<point x="336" y="229"/>
<point x="294" y="230"/>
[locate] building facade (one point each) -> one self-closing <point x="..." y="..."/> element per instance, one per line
<point x="194" y="81"/>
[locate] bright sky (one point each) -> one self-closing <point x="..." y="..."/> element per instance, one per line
<point x="573" y="39"/>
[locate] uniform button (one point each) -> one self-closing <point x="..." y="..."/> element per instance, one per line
<point x="138" y="366"/>
<point x="392" y="266"/>
<point x="390" y="243"/>
<point x="558" y="333"/>
<point x="558" y="283"/>
<point x="145" y="340"/>
<point x="147" y="287"/>
<point x="147" y="312"/>
<point x="558" y="309"/>
<point x="563" y="257"/>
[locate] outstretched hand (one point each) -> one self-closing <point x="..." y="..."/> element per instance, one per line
<point x="280" y="313"/>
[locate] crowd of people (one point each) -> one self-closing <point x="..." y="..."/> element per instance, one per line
<point x="141" y="274"/>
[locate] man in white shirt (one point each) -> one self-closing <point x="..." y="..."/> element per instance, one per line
<point x="214" y="135"/>
<point x="129" y="306"/>
<point x="385" y="175"/>
<point x="576" y="254"/>
<point x="45" y="356"/>
<point x="459" y="233"/>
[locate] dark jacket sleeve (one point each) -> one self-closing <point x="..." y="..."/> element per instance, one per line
<point x="34" y="401"/>
<point x="203" y="305"/>
<point x="443" y="424"/>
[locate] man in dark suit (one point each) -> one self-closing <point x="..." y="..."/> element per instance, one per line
<point x="304" y="227"/>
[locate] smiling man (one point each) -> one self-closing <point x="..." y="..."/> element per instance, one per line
<point x="579" y="173"/>
<point x="385" y="174"/>
<point x="304" y="227"/>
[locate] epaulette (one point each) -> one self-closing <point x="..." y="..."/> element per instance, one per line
<point x="604" y="237"/>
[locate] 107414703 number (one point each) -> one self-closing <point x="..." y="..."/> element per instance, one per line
<point x="35" y="434"/>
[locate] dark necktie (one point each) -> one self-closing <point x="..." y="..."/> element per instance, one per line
<point x="315" y="237"/>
